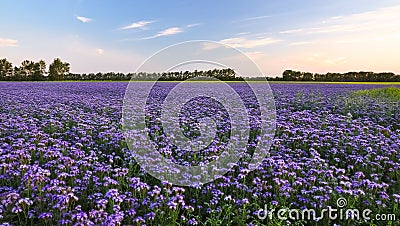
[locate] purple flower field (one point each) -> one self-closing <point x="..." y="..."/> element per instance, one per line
<point x="64" y="160"/>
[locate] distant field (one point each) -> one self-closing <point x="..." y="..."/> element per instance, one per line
<point x="272" y="82"/>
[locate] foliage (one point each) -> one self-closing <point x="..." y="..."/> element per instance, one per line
<point x="60" y="71"/>
<point x="28" y="71"/>
<point x="392" y="93"/>
<point x="362" y="76"/>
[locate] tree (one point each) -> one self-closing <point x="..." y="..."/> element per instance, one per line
<point x="58" y="69"/>
<point x="290" y="75"/>
<point x="26" y="70"/>
<point x="16" y="74"/>
<point x="39" y="69"/>
<point x="307" y="76"/>
<point x="6" y="69"/>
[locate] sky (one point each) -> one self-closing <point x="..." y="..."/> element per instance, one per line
<point x="104" y="35"/>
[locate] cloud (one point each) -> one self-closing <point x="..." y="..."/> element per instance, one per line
<point x="248" y="43"/>
<point x="366" y="41"/>
<point x="83" y="19"/>
<point x="371" y="38"/>
<point x="256" y="55"/>
<point x="169" y="31"/>
<point x="350" y="40"/>
<point x="193" y="25"/>
<point x="210" y="46"/>
<point x="313" y="57"/>
<point x="327" y="60"/>
<point x="241" y="43"/>
<point x="100" y="51"/>
<point x="166" y="32"/>
<point x="335" y="17"/>
<point x="291" y="31"/>
<point x="254" y="18"/>
<point x="243" y="33"/>
<point x="326" y="28"/>
<point x="338" y="28"/>
<point x="139" y="24"/>
<point x="299" y="43"/>
<point x="335" y="61"/>
<point x="4" y="42"/>
<point x="382" y="20"/>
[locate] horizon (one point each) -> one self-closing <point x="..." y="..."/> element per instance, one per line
<point x="193" y="69"/>
<point x="336" y="37"/>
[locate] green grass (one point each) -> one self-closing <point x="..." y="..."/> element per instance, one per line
<point x="391" y="93"/>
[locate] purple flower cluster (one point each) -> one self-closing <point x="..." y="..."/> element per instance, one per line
<point x="64" y="160"/>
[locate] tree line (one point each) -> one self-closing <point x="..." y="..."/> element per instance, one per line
<point x="362" y="76"/>
<point x="60" y="71"/>
<point x="34" y="71"/>
<point x="221" y="74"/>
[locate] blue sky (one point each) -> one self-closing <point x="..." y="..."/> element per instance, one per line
<point x="104" y="36"/>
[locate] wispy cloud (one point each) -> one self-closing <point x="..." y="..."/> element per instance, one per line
<point x="4" y="42"/>
<point x="338" y="28"/>
<point x="313" y="57"/>
<point x="335" y="61"/>
<point x="256" y="55"/>
<point x="84" y="19"/>
<point x="249" y="43"/>
<point x="352" y="40"/>
<point x="138" y="24"/>
<point x="210" y="46"/>
<point x="373" y="31"/>
<point x="381" y="20"/>
<point x="379" y="37"/>
<point x="241" y="43"/>
<point x="335" y="17"/>
<point x="243" y="33"/>
<point x="291" y="31"/>
<point x="326" y="60"/>
<point x="193" y="25"/>
<point x="254" y="18"/>
<point x="166" y="32"/>
<point x="298" y="43"/>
